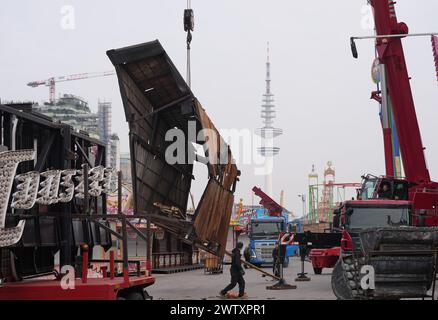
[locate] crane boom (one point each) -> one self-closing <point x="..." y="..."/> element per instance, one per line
<point x="267" y="202"/>
<point x="390" y="52"/>
<point x="79" y="76"/>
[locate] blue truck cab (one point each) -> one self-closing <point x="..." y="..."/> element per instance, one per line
<point x="263" y="232"/>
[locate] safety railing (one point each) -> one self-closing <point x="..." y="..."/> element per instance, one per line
<point x="162" y="260"/>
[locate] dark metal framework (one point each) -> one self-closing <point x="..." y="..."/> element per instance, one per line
<point x="50" y="229"/>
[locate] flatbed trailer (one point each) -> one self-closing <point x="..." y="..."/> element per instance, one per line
<point x="93" y="289"/>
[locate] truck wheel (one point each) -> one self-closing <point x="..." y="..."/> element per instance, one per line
<point x="339" y="283"/>
<point x="317" y="270"/>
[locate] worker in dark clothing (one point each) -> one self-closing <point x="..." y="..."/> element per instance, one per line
<point x="236" y="271"/>
<point x="385" y="192"/>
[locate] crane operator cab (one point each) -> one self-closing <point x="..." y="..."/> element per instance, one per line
<point x="384" y="188"/>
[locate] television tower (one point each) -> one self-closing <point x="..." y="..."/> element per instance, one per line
<point x="268" y="132"/>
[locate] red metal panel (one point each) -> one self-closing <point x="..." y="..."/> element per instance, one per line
<point x="267" y="202"/>
<point x="325" y="258"/>
<point x="94" y="289"/>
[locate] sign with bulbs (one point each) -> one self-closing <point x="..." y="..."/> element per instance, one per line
<point x="46" y="188"/>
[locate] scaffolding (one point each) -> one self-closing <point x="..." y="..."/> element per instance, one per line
<point x="326" y="196"/>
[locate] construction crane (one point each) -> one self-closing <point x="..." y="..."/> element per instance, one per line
<point x="52" y="81"/>
<point x="396" y="91"/>
<point x="391" y="213"/>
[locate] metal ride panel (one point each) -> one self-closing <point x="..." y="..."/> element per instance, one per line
<point x="157" y="100"/>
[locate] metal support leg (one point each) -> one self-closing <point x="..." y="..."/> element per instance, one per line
<point x="302" y="276"/>
<point x="281" y="284"/>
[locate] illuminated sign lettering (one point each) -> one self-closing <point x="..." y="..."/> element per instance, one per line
<point x="46" y="188"/>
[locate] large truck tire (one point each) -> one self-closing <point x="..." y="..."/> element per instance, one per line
<point x="134" y="296"/>
<point x="130" y="295"/>
<point x="339" y="283"/>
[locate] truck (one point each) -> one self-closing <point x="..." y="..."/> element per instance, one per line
<point x="380" y="234"/>
<point x="264" y="230"/>
<point x="263" y="236"/>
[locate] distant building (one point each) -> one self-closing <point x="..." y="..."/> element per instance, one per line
<point x="113" y="152"/>
<point x="74" y="111"/>
<point x="106" y="136"/>
<point x="104" y="120"/>
<point x="125" y="167"/>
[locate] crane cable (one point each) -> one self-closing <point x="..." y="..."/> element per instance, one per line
<point x="189" y="24"/>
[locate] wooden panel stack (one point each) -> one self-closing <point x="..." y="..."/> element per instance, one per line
<point x="316" y="227"/>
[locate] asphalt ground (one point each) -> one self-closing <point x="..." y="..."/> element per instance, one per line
<point x="196" y="285"/>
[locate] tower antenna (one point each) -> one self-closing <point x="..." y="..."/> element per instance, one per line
<point x="268" y="132"/>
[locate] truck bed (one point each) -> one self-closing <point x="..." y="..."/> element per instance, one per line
<point x="94" y="289"/>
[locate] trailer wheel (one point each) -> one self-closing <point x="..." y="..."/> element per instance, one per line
<point x="134" y="296"/>
<point x="147" y="296"/>
<point x="7" y="266"/>
<point x="317" y="270"/>
<point x="339" y="283"/>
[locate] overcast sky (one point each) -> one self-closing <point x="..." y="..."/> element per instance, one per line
<point x="321" y="92"/>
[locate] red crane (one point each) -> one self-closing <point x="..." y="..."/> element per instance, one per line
<point x="422" y="191"/>
<point x="274" y="209"/>
<point x="52" y="81"/>
<point x="403" y="203"/>
<point x="390" y="52"/>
